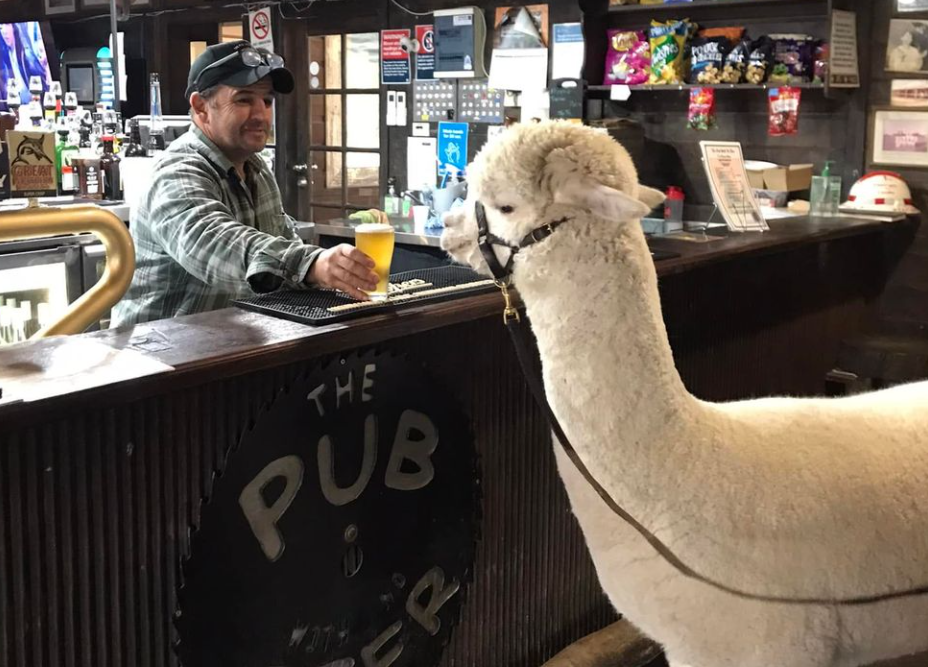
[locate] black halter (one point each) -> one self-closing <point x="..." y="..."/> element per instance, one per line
<point x="523" y="343"/>
<point x="486" y="240"/>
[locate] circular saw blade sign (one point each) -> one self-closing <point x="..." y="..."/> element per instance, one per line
<point x="260" y="23"/>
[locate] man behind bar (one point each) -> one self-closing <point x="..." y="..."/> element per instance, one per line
<point x="211" y="227"/>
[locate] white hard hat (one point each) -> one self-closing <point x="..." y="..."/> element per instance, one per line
<point x="881" y="191"/>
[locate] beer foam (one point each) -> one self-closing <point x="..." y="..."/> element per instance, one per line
<point x="373" y="228"/>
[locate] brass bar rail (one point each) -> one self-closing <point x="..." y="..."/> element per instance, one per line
<point x="39" y="222"/>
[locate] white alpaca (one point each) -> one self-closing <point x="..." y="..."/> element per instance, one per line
<point x="778" y="497"/>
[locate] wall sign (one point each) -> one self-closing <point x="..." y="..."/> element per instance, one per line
<point x="425" y="56"/>
<point x="259" y="27"/>
<point x="452" y="148"/>
<point x="32" y="164"/>
<point x="394" y="57"/>
<point x="342" y="531"/>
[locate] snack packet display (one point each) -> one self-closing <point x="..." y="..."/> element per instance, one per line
<point x="701" y="115"/>
<point x="783" y="108"/>
<point x="733" y="35"/>
<point x="760" y="61"/>
<point x="792" y="56"/>
<point x="736" y="63"/>
<point x="820" y="65"/>
<point x="668" y="41"/>
<point x="628" y="57"/>
<point x="707" y="59"/>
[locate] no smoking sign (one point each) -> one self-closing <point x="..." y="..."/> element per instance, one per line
<point x="259" y="22"/>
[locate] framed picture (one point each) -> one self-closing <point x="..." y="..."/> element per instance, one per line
<point x="87" y="4"/>
<point x="899" y="138"/>
<point x="910" y="93"/>
<point x="903" y="6"/>
<point x="59" y="7"/>
<point x="907" y="46"/>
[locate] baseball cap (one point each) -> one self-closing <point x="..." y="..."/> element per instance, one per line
<point x="219" y="64"/>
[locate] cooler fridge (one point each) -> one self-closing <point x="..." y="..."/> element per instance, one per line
<point x="38" y="279"/>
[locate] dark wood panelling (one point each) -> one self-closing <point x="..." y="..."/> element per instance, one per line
<point x="104" y="501"/>
<point x="904" y="308"/>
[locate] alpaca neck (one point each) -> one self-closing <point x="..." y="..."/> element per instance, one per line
<point x="600" y="331"/>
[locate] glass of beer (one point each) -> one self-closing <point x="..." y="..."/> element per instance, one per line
<point x="376" y="241"/>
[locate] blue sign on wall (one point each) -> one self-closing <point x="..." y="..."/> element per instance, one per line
<point x="452" y="147"/>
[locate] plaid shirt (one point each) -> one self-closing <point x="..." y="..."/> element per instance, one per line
<point x="204" y="237"/>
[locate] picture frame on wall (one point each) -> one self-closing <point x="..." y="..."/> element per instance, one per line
<point x="92" y="4"/>
<point x="53" y="7"/>
<point x="909" y="93"/>
<point x="903" y="6"/>
<point x="907" y="46"/>
<point x="899" y="138"/>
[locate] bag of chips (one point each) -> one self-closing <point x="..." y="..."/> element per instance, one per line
<point x="792" y="57"/>
<point x="701" y="115"/>
<point x="759" y="61"/>
<point x="783" y="109"/>
<point x="733" y="35"/>
<point x="736" y="63"/>
<point x="667" y="51"/>
<point x="707" y="59"/>
<point x="628" y="58"/>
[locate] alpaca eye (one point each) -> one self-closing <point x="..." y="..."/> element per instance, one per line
<point x="506" y="209"/>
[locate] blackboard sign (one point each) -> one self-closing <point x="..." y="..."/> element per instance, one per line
<point x="567" y="99"/>
<point x="343" y="529"/>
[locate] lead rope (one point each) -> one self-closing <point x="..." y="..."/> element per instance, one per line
<point x="522" y="341"/>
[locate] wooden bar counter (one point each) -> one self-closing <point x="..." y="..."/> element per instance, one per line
<point x="110" y="441"/>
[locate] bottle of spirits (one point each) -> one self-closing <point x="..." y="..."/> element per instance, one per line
<point x="156" y="123"/>
<point x="109" y="167"/>
<point x="133" y="147"/>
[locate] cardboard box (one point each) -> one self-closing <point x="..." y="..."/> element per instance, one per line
<point x="779" y="178"/>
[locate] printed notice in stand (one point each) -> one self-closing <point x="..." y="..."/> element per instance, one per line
<point x="731" y="189"/>
<point x="394" y="57"/>
<point x="843" y="66"/>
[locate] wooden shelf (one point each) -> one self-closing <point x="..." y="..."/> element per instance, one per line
<point x="700" y="4"/>
<point x="676" y="87"/>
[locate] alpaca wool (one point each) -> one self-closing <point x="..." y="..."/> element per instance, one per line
<point x="787" y="497"/>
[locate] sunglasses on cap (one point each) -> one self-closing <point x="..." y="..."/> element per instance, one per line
<point x="250" y="56"/>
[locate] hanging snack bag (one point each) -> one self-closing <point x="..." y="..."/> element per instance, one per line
<point x="707" y="59"/>
<point x="628" y="58"/>
<point x="760" y="61"/>
<point x="736" y="63"/>
<point x="783" y="108"/>
<point x="792" y="56"/>
<point x="667" y="51"/>
<point x="820" y="65"/>
<point x="701" y="114"/>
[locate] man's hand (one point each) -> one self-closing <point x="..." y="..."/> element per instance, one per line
<point x="345" y="268"/>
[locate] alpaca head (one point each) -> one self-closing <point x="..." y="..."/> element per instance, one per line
<point x="536" y="173"/>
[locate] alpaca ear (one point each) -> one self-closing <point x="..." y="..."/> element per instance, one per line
<point x="650" y="196"/>
<point x="599" y="199"/>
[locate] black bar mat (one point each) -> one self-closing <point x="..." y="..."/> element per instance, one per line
<point x="325" y="306"/>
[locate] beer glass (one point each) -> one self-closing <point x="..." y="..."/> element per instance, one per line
<point x="376" y="241"/>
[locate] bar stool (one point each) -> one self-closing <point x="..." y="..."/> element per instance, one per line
<point x="878" y="360"/>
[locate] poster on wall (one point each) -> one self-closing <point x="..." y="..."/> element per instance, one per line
<point x="520" y="49"/>
<point x="900" y="138"/>
<point x="23" y="49"/>
<point x="907" y="46"/>
<point x="912" y="93"/>
<point x="425" y="55"/>
<point x="567" y="51"/>
<point x="843" y="70"/>
<point x="911" y="6"/>
<point x="394" y="57"/>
